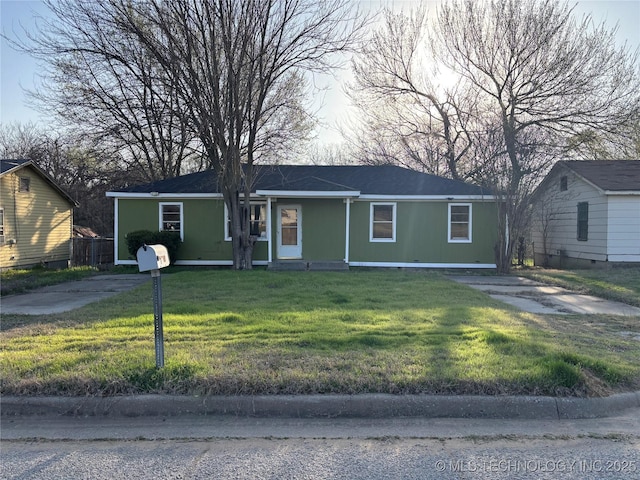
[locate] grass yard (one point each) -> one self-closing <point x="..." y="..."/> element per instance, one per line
<point x="264" y="332"/>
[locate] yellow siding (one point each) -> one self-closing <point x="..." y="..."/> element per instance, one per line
<point x="40" y="221"/>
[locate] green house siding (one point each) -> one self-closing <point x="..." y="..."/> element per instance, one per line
<point x="421" y="231"/>
<point x="323" y="228"/>
<point x="203" y="226"/>
<point x="422" y="235"/>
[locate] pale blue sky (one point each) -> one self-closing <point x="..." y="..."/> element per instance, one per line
<point x="18" y="71"/>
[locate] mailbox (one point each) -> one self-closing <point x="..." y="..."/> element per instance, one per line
<point x="152" y="257"/>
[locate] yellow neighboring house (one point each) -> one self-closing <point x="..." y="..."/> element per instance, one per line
<point x="36" y="217"/>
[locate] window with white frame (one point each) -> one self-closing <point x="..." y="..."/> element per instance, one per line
<point x="171" y="218"/>
<point x="383" y="222"/>
<point x="257" y="220"/>
<point x="459" y="223"/>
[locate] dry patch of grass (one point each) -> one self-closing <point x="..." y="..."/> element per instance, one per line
<point x="265" y="332"/>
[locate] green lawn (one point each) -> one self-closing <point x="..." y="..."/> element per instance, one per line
<point x="264" y="332"/>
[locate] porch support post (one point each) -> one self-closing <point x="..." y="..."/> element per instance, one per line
<point x="347" y="202"/>
<point x="269" y="239"/>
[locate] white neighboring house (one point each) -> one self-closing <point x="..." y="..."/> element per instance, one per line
<point x="587" y="213"/>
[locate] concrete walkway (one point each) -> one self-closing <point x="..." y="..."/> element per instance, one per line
<point x="70" y="295"/>
<point x="536" y="297"/>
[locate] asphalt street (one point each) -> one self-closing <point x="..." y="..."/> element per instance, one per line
<point x="228" y="447"/>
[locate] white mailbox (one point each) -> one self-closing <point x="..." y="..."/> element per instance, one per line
<point x="152" y="257"/>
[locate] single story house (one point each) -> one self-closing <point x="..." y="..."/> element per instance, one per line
<point x="370" y="216"/>
<point x="36" y="217"/>
<point x="587" y="213"/>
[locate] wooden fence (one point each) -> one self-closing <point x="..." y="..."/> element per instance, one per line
<point x="92" y="251"/>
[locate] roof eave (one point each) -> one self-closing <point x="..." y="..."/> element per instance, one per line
<point x="308" y="193"/>
<point x="159" y="195"/>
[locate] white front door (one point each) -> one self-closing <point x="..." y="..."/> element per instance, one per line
<point x="289" y="231"/>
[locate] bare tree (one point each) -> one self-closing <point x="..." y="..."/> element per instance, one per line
<point x="408" y="117"/>
<point x="231" y="63"/>
<point x="100" y="81"/>
<point x="531" y="81"/>
<point x="81" y="170"/>
<point x="228" y="73"/>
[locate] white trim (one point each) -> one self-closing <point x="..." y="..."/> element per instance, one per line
<point x="196" y="263"/>
<point x="161" y="219"/>
<point x="212" y="263"/>
<point x="421" y="265"/>
<point x="347" y="202"/>
<point x="307" y="193"/>
<point x="394" y="221"/>
<point x="323" y="194"/>
<point x="269" y="233"/>
<point x="227" y="238"/>
<point x="162" y="195"/>
<point x="449" y="198"/>
<point x="116" y="236"/>
<point x="459" y="240"/>
<point x="622" y="192"/>
<point x="279" y="247"/>
<point x="125" y="262"/>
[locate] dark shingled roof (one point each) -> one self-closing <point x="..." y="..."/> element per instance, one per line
<point x="6" y="165"/>
<point x="368" y="180"/>
<point x="9" y="165"/>
<point x="608" y="175"/>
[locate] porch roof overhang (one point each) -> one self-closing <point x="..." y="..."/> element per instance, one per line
<point x="308" y="193"/>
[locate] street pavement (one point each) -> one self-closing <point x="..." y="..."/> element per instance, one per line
<point x="231" y="447"/>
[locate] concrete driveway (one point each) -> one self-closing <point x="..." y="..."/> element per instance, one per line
<point x="536" y="297"/>
<point x="70" y="295"/>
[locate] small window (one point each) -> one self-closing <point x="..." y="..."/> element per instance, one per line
<point x="383" y="222"/>
<point x="563" y="183"/>
<point x="171" y="218"/>
<point x="1" y="225"/>
<point x="257" y="221"/>
<point x="25" y="184"/>
<point x="583" y="221"/>
<point x="459" y="223"/>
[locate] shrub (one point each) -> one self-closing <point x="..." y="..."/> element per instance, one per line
<point x="137" y="238"/>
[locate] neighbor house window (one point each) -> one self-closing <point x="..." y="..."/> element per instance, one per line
<point x="25" y="184"/>
<point x="383" y="222"/>
<point x="257" y="221"/>
<point x="583" y="221"/>
<point x="563" y="184"/>
<point x="460" y="223"/>
<point x="171" y="219"/>
<point x="1" y="225"/>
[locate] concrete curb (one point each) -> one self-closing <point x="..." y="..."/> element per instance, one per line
<point x="327" y="406"/>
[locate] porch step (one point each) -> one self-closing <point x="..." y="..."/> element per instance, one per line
<point x="301" y="265"/>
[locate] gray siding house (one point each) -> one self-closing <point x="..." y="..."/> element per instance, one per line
<point x="587" y="213"/>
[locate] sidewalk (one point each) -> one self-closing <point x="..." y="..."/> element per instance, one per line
<point x="70" y="295"/>
<point x="536" y="297"/>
